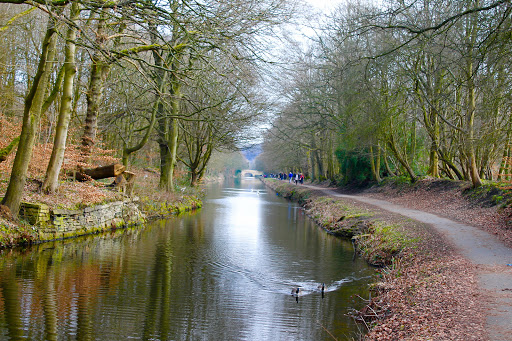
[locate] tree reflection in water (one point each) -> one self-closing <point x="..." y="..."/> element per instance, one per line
<point x="222" y="273"/>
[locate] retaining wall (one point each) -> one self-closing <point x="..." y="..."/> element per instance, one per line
<point x="62" y="223"/>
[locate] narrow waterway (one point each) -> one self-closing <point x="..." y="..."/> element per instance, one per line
<point x="225" y="272"/>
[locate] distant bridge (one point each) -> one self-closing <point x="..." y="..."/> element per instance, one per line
<point x="250" y="173"/>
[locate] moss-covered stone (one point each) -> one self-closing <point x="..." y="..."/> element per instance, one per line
<point x="52" y="224"/>
<point x="40" y="223"/>
<point x="163" y="209"/>
<point x="34" y="213"/>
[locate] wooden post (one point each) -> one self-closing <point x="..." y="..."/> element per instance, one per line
<point x="130" y="182"/>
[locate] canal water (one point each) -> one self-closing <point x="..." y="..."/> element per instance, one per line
<point x="225" y="272"/>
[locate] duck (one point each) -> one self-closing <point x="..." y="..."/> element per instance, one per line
<point x="321" y="287"/>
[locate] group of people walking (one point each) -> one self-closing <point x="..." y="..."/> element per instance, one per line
<point x="297" y="177"/>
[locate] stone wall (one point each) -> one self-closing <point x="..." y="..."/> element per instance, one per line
<point x="62" y="223"/>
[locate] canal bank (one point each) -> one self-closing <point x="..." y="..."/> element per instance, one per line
<point x="424" y="288"/>
<point x="224" y="272"/>
<point x="379" y="239"/>
<point x="40" y="223"/>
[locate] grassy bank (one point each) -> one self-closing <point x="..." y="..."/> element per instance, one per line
<point x="157" y="204"/>
<point x="154" y="209"/>
<point x="423" y="289"/>
<point x="378" y="241"/>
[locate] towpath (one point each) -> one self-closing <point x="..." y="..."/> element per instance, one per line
<point x="490" y="256"/>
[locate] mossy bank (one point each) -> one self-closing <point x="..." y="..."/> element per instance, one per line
<point x="40" y="223"/>
<point x="379" y="241"/>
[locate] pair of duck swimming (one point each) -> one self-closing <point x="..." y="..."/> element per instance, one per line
<point x="296" y="291"/>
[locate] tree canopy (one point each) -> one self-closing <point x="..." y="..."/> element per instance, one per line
<point x="177" y="77"/>
<point x="413" y="88"/>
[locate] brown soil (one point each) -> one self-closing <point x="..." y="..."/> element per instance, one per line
<point x="5" y="212"/>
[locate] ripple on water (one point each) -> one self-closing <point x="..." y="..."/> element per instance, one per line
<point x="223" y="273"/>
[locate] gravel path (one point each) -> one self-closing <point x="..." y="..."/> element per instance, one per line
<point x="490" y="255"/>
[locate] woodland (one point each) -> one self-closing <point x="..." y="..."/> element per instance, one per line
<point x="410" y="88"/>
<point x="380" y="88"/>
<point x="174" y="90"/>
<point x="161" y="84"/>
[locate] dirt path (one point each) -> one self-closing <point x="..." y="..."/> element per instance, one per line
<point x="489" y="255"/>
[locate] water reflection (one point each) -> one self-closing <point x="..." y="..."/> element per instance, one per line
<point x="225" y="273"/>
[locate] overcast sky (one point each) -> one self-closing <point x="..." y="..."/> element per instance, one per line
<point x="324" y="5"/>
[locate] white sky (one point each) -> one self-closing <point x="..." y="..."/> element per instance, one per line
<point x="324" y="5"/>
<point x="314" y="17"/>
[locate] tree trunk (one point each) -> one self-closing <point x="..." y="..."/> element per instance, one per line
<point x="470" y="148"/>
<point x="315" y="156"/>
<point x="319" y="162"/>
<point x="51" y="181"/>
<point x="386" y="164"/>
<point x="433" y="169"/>
<point x="94" y="97"/>
<point x="313" y="166"/>
<point x="168" y="148"/>
<point x="167" y="124"/>
<point x="401" y="159"/>
<point x="434" y="155"/>
<point x="109" y="171"/>
<point x="375" y="165"/>
<point x="54" y="92"/>
<point x="205" y="159"/>
<point x="504" y="172"/>
<point x="194" y="177"/>
<point x="447" y="160"/>
<point x="99" y="72"/>
<point x="331" y="172"/>
<point x="471" y="105"/>
<point x="508" y="161"/>
<point x="31" y="117"/>
<point x="171" y="140"/>
<point x="173" y="148"/>
<point x="4" y="152"/>
<point x="165" y="168"/>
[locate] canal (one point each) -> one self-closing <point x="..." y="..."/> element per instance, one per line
<point x="225" y="272"/>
